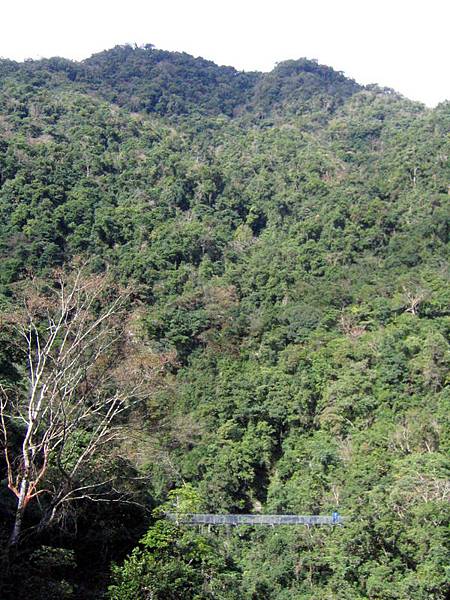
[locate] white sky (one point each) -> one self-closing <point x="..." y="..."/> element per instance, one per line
<point x="402" y="44"/>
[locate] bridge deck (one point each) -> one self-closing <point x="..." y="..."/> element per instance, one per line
<point x="211" y="519"/>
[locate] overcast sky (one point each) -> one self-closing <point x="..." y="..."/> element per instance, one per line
<point x="402" y="44"/>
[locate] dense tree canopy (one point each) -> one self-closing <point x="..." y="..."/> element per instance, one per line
<point x="283" y="238"/>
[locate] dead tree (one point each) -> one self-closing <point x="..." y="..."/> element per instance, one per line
<point x="413" y="299"/>
<point x="83" y="370"/>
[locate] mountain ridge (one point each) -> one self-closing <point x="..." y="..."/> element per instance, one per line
<point x="164" y="82"/>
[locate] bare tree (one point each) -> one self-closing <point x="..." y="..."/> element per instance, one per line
<point x="413" y="299"/>
<point x="84" y="369"/>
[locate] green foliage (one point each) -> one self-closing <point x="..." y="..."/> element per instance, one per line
<point x="171" y="563"/>
<point x="46" y="574"/>
<point x="285" y="235"/>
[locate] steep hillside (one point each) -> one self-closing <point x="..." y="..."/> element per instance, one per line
<point x="282" y="240"/>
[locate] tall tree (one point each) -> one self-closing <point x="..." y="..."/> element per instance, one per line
<point x="84" y="369"/>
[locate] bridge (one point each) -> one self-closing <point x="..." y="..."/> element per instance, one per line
<point x="273" y="520"/>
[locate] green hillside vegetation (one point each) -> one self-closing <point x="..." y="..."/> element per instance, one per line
<point x="280" y="243"/>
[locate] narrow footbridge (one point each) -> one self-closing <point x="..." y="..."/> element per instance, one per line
<point x="211" y="519"/>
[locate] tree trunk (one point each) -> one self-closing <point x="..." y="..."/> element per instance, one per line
<point x="21" y="504"/>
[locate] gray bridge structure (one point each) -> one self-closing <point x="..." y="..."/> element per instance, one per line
<point x="273" y="520"/>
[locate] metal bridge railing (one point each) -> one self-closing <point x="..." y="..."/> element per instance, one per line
<point x="214" y="519"/>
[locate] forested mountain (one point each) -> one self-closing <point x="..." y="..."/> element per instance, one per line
<point x="227" y="291"/>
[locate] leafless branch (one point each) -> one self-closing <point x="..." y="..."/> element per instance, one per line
<point x="83" y="374"/>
